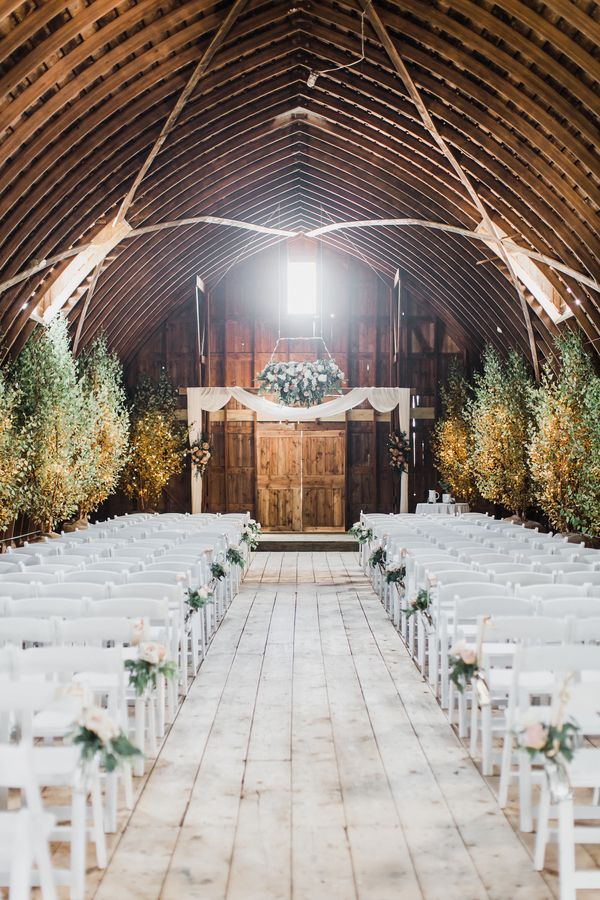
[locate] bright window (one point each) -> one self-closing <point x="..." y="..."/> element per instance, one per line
<point x="302" y="288"/>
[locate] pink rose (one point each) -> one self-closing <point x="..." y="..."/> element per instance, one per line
<point x="469" y="656"/>
<point x="536" y="736"/>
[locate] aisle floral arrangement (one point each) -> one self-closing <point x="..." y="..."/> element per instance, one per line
<point x="201" y="454"/>
<point x="378" y="558"/>
<point x="399" y="451"/>
<point x="96" y="734"/>
<point x="463" y="665"/>
<point x="419" y="603"/>
<point x="198" y="598"/>
<point x="362" y="534"/>
<point x="234" y="557"/>
<point x="395" y="573"/>
<point x="217" y="570"/>
<point x="251" y="534"/>
<point x="556" y="742"/>
<point x="150" y="663"/>
<point x="301" y="383"/>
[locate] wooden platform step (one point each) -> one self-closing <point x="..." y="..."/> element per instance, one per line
<point x="323" y="542"/>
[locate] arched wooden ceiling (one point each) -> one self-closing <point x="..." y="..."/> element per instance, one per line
<point x="512" y="87"/>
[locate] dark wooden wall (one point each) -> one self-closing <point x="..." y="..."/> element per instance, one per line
<point x="425" y="346"/>
<point x="359" y="327"/>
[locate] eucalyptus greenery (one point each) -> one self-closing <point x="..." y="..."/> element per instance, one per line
<point x="112" y="753"/>
<point x="234" y="557"/>
<point x="108" y="425"/>
<point x="51" y="413"/>
<point x="452" y="438"/>
<point x="564" y="450"/>
<point x="217" y="571"/>
<point x="501" y="421"/>
<point x="143" y="673"/>
<point x="14" y="458"/>
<point x="158" y="442"/>
<point x="378" y="558"/>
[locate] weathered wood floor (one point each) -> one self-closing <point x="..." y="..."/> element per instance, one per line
<point x="310" y="761"/>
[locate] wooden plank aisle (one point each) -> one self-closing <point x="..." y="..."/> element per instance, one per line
<point x="310" y="761"/>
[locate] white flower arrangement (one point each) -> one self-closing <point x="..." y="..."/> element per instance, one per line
<point x="301" y="383"/>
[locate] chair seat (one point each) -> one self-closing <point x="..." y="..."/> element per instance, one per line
<point x="584" y="768"/>
<point x="55" y="765"/>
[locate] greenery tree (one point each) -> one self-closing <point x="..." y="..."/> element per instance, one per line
<point x="452" y="440"/>
<point x="565" y="448"/>
<point x="106" y="413"/>
<point x="158" y="442"/>
<point x="13" y="455"/>
<point x="50" y="411"/>
<point x="501" y="423"/>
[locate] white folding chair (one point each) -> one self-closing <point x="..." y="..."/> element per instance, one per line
<point x="536" y="673"/>
<point x="75" y="589"/>
<point x="498" y="638"/>
<point x="20" y="631"/>
<point x="60" y="766"/>
<point x="24" y="833"/>
<point x="578" y="702"/>
<point x="44" y="607"/>
<point x="462" y="625"/>
<point x="102" y="671"/>
<point x="550" y="591"/>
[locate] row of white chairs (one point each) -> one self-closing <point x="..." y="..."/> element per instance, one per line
<point x="532" y="619"/>
<point x="74" y="615"/>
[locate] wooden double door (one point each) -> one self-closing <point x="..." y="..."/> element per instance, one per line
<point x="301" y="477"/>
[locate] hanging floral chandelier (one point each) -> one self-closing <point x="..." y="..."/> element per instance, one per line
<point x="301" y="383"/>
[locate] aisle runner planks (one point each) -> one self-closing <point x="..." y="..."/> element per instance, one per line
<point x="310" y="761"/>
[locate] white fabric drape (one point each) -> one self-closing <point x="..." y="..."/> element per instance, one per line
<point x="210" y="399"/>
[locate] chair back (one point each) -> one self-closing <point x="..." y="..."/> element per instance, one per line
<point x="582" y="607"/>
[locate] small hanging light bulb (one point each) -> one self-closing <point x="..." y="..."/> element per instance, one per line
<point x="312" y="79"/>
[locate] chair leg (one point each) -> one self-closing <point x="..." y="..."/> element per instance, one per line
<point x="151" y="727"/>
<point x="566" y="850"/>
<point x="127" y="785"/>
<point x="110" y="813"/>
<point x="43" y="862"/>
<point x="487" y="763"/>
<point x="97" y="823"/>
<point x="505" y="770"/>
<point x="525" y="793"/>
<point x="78" y="841"/>
<point x="474" y="727"/>
<point x="160" y="703"/>
<point x="543" y="829"/>
<point x="140" y="734"/>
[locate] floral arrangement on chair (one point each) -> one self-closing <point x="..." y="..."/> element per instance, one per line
<point x="465" y="669"/>
<point x="217" y="570"/>
<point x="556" y="742"/>
<point x="395" y="573"/>
<point x="419" y="603"/>
<point x="201" y="453"/>
<point x="198" y="598"/>
<point x="378" y="558"/>
<point x="552" y="741"/>
<point x="362" y="534"/>
<point x="251" y="534"/>
<point x="463" y="665"/>
<point x="98" y="735"/>
<point x="399" y="451"/>
<point x="234" y="557"/>
<point x="150" y="663"/>
<point x="301" y="383"/>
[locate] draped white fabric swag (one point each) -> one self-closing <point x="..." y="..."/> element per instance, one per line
<point x="210" y="399"/>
